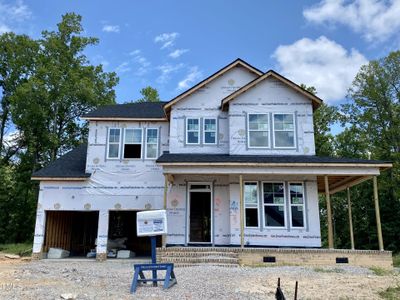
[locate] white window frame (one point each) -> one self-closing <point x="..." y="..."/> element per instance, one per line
<point x="215" y="131"/>
<point x="146" y="143"/>
<point x="273" y="204"/>
<point x="257" y="207"/>
<point x="294" y="130"/>
<point x="114" y="143"/>
<point x="187" y="131"/>
<point x="124" y="143"/>
<point x="248" y="132"/>
<point x="303" y="205"/>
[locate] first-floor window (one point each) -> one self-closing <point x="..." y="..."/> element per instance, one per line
<point x="151" y="143"/>
<point x="192" y="131"/>
<point x="274" y="204"/>
<point x="114" y="140"/>
<point x="133" y="143"/>
<point x="251" y="204"/>
<point x="297" y="204"/>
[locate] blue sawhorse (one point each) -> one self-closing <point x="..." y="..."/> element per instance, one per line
<point x="139" y="277"/>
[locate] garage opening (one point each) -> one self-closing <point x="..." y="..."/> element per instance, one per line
<point x="74" y="231"/>
<point x="122" y="235"/>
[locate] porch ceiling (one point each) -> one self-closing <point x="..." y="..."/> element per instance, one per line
<point x="339" y="183"/>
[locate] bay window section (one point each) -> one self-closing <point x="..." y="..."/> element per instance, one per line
<point x="133" y="143"/>
<point x="296" y="204"/>
<point x="274" y="204"/>
<point x="251" y="204"/>
<point x="151" y="143"/>
<point x="258" y="131"/>
<point x="114" y="140"/>
<point x="284" y="131"/>
<point x="192" y="131"/>
<point x="210" y="131"/>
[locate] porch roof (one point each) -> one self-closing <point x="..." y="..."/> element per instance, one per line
<point x="342" y="172"/>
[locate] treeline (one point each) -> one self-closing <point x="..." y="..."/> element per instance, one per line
<point x="45" y="85"/>
<point x="48" y="83"/>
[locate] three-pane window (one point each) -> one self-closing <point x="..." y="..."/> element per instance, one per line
<point x="133" y="143"/>
<point x="296" y="204"/>
<point x="284" y="131"/>
<point x="251" y="204"/>
<point x="193" y="131"/>
<point x="151" y="142"/>
<point x="274" y="204"/>
<point x="210" y="131"/>
<point x="258" y="129"/>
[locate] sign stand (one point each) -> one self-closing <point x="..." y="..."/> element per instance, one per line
<point x="145" y="219"/>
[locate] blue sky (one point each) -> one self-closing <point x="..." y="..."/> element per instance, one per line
<point x="171" y="44"/>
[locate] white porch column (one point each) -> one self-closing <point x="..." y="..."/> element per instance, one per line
<point x="378" y="215"/>
<point x="38" y="239"/>
<point x="329" y="213"/>
<point x="102" y="235"/>
<point x="350" y="219"/>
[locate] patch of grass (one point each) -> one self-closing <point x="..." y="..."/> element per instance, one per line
<point x="391" y="293"/>
<point x="22" y="249"/>
<point x="379" y="271"/>
<point x="396" y="260"/>
<point x="334" y="270"/>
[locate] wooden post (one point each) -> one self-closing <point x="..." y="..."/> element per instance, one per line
<point x="241" y="207"/>
<point x="329" y="213"/>
<point x="377" y="213"/>
<point x="350" y="219"/>
<point x="164" y="238"/>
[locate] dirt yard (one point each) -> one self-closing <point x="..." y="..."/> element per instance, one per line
<point x="23" y="279"/>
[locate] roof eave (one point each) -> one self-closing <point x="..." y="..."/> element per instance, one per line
<point x="57" y="178"/>
<point x="125" y="119"/>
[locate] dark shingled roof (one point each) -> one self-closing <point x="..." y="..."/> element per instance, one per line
<point x="144" y="110"/>
<point x="70" y="165"/>
<point x="226" y="158"/>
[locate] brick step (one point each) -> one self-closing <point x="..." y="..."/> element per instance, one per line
<point x="196" y="254"/>
<point x="186" y="265"/>
<point x="195" y="249"/>
<point x="205" y="259"/>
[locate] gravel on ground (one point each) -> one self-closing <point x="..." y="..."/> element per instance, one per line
<point x="111" y="280"/>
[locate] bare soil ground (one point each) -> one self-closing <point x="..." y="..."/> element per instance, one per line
<point x="24" y="279"/>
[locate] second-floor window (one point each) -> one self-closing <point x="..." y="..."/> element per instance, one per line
<point x="133" y="143"/>
<point x="151" y="143"/>
<point x="193" y="131"/>
<point x="258" y="131"/>
<point x="210" y="131"/>
<point x="114" y="140"/>
<point x="284" y="131"/>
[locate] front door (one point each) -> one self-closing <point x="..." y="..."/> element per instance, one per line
<point x="200" y="213"/>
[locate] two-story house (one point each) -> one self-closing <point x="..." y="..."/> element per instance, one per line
<point x="232" y="160"/>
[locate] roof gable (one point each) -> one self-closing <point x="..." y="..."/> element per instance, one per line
<point x="238" y="62"/>
<point x="316" y="101"/>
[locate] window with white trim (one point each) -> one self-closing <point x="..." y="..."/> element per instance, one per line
<point x="114" y="140"/>
<point x="274" y="204"/>
<point x="210" y="131"/>
<point x="192" y="131"/>
<point x="133" y="143"/>
<point x="151" y="143"/>
<point x="251" y="204"/>
<point x="296" y="204"/>
<point x="284" y="131"/>
<point x="258" y="130"/>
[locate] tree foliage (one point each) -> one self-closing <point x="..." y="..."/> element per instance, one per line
<point x="149" y="94"/>
<point x="45" y="85"/>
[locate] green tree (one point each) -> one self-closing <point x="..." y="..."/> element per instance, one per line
<point x="149" y="94"/>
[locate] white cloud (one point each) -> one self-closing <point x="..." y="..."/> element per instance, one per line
<point x="123" y="68"/>
<point x="111" y="28"/>
<point x="375" y="20"/>
<point x="139" y="59"/>
<point x="193" y="75"/>
<point x="177" y="53"/>
<point x="13" y="14"/>
<point x="166" y="71"/>
<point x="166" y="39"/>
<point x="321" y="63"/>
<point x="135" y="52"/>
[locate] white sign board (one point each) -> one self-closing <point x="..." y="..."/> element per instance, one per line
<point x="152" y="222"/>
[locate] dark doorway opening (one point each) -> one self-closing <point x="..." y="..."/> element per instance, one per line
<point x="74" y="231"/>
<point x="122" y="227"/>
<point x="200" y="217"/>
